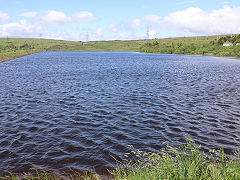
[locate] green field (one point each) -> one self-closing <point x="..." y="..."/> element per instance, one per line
<point x="16" y="47"/>
<point x="202" y="45"/>
<point x="205" y="45"/>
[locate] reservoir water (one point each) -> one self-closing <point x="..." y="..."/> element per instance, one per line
<point x="81" y="109"/>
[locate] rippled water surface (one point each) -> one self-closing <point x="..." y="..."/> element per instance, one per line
<point x="77" y="109"/>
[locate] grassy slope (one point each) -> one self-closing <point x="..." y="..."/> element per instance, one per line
<point x="16" y="47"/>
<point x="205" y="45"/>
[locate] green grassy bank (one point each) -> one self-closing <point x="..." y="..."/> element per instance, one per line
<point x="11" y="48"/>
<point x="186" y="162"/>
<point x="205" y="45"/>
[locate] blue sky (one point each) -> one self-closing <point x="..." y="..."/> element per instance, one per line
<point x="125" y="19"/>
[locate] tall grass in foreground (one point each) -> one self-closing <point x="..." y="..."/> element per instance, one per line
<point x="186" y="162"/>
<point x="36" y="174"/>
<point x="179" y="163"/>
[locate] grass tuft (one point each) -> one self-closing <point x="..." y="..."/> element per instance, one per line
<point x="186" y="162"/>
<point x="36" y="174"/>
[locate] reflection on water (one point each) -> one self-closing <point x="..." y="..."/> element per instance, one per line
<point x="77" y="109"/>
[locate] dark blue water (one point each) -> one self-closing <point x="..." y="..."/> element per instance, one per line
<point x="77" y="109"/>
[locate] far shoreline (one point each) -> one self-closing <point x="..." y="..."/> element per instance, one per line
<point x="12" y="48"/>
<point x="9" y="58"/>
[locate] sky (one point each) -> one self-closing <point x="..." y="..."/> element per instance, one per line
<point x="82" y="20"/>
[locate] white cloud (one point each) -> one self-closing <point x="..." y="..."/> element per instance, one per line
<point x="20" y="29"/>
<point x="136" y="23"/>
<point x="113" y="28"/>
<point x="4" y="17"/>
<point x="100" y="32"/>
<point x="28" y="14"/>
<point x="63" y="36"/>
<point x="151" y="33"/>
<point x="195" y="20"/>
<point x="55" y="17"/>
<point x="192" y="19"/>
<point x="23" y="29"/>
<point x="84" y="16"/>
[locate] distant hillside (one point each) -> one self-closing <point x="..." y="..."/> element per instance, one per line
<point x="203" y="45"/>
<point x="15" y="47"/>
